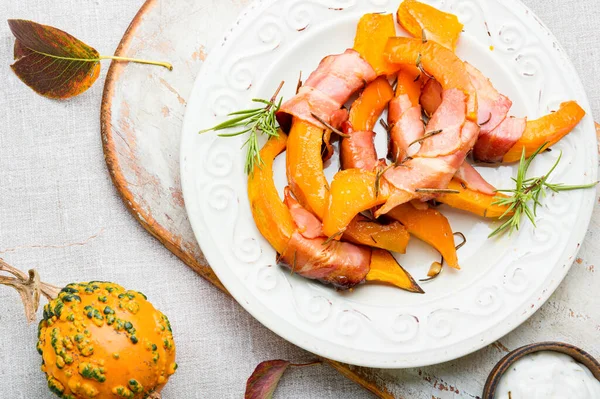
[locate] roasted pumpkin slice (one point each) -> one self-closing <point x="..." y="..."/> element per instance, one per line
<point x="420" y="19"/>
<point x="271" y="216"/>
<point x="372" y="34"/>
<point x="352" y="191"/>
<point x="473" y="201"/>
<point x="385" y="269"/>
<point x="430" y="226"/>
<point x="367" y="109"/>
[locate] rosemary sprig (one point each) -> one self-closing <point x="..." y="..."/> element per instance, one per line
<point x="328" y="126"/>
<point x="426" y="136"/>
<point x="253" y="121"/>
<point x="526" y="196"/>
<point x="437" y="191"/>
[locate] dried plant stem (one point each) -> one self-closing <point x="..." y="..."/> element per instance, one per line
<point x="29" y="287"/>
<point x="313" y="363"/>
<point x="138" y="61"/>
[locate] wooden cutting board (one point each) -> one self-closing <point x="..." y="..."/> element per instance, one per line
<point x="141" y="118"/>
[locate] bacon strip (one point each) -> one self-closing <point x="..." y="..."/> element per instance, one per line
<point x="406" y="127"/>
<point x="493" y="146"/>
<point x="308" y="224"/>
<point x="498" y="131"/>
<point x="440" y="155"/>
<point x="327" y="89"/>
<point x="397" y="107"/>
<point x="493" y="107"/>
<point x="431" y="96"/>
<point x="448" y="120"/>
<point x="358" y="150"/>
<point x="338" y="263"/>
<point x="471" y="178"/>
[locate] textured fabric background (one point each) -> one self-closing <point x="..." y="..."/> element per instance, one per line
<point x="60" y="213"/>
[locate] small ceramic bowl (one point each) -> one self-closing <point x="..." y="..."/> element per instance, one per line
<point x="581" y="356"/>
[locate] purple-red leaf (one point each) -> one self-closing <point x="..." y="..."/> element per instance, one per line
<point x="52" y="62"/>
<point x="264" y="379"/>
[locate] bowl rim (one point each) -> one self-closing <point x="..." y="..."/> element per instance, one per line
<point x="581" y="356"/>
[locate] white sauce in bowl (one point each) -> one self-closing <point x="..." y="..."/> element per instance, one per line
<point x="548" y="375"/>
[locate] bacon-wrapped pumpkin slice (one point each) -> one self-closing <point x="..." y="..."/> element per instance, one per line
<point x="438" y="160"/>
<point x="418" y="19"/>
<point x="294" y="233"/>
<point x="309" y="185"/>
<point x="327" y="89"/>
<point x="354" y="191"/>
<point x="438" y="61"/>
<point x="547" y="130"/>
<point x="440" y="156"/>
<point x="338" y="263"/>
<point x="358" y="149"/>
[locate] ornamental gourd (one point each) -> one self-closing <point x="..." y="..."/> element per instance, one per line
<point x="97" y="339"/>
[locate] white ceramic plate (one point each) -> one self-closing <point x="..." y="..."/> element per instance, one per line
<point x="502" y="282"/>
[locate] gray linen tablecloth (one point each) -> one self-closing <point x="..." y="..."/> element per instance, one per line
<point x="60" y="213"/>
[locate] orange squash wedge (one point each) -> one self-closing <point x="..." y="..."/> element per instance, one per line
<point x="367" y="109"/>
<point x="393" y="237"/>
<point x="372" y="34"/>
<point x="418" y="18"/>
<point x="409" y="82"/>
<point x="305" y="167"/>
<point x="473" y="201"/>
<point x="429" y="226"/>
<point x="352" y="191"/>
<point x="385" y="269"/>
<point x="272" y="217"/>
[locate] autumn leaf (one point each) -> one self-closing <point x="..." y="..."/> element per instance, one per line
<point x="263" y="381"/>
<point x="54" y="63"/>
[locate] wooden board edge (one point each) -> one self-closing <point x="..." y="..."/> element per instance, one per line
<point x="116" y="174"/>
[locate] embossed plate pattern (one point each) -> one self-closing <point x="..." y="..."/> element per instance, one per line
<point x="502" y="282"/>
